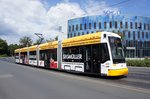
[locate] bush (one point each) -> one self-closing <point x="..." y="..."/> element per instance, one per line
<point x="3" y="55"/>
<point x="139" y="63"/>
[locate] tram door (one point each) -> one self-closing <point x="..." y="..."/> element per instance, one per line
<point x="92" y="60"/>
<point x="96" y="58"/>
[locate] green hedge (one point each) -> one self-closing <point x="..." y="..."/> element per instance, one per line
<point x="139" y="63"/>
<point x="3" y="55"/>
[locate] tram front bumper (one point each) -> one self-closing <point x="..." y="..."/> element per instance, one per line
<point x="118" y="72"/>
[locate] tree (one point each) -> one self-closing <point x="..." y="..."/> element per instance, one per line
<point x="25" y="41"/>
<point x="38" y="41"/>
<point x="55" y="39"/>
<point x="3" y="46"/>
<point x="11" y="49"/>
<point x="119" y="33"/>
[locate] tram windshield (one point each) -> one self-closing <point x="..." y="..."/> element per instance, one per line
<point x="116" y="50"/>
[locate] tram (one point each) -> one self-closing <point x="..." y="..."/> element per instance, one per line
<point x="98" y="53"/>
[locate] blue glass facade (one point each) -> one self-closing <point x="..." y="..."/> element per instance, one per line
<point x="135" y="30"/>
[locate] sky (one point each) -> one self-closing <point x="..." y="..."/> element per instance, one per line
<point x="20" y="18"/>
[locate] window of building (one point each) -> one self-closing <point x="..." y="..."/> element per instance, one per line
<point x="133" y="35"/>
<point x="94" y="25"/>
<point x="148" y="27"/>
<point x="116" y="24"/>
<point x="82" y="33"/>
<point x="79" y="34"/>
<point x="85" y="26"/>
<point x="76" y="27"/>
<point x="147" y="35"/>
<point x="129" y="34"/>
<point x="138" y="34"/>
<point x="69" y="28"/>
<point x="124" y="34"/>
<point x="92" y="32"/>
<point x="72" y="27"/>
<point x="70" y="35"/>
<point x="121" y="26"/>
<point x="127" y="43"/>
<point x="110" y="25"/>
<point x="131" y="43"/>
<point x="135" y="43"/>
<point x="99" y="25"/>
<point x="105" y="25"/>
<point x="135" y="25"/>
<point x="144" y="26"/>
<point x="131" y="25"/>
<point x="80" y="26"/>
<point x="144" y="43"/>
<point x="149" y="44"/>
<point x="142" y="34"/>
<point x="87" y="32"/>
<point x="126" y="25"/>
<point x="90" y="25"/>
<point x="74" y="34"/>
<point x="140" y="27"/>
<point x="140" y="43"/>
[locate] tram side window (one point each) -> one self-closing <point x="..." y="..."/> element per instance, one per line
<point x="32" y="55"/>
<point x="104" y="53"/>
<point x="17" y="56"/>
<point x="23" y="55"/>
<point x="53" y="58"/>
<point x="53" y="54"/>
<point x="73" y="54"/>
<point x="43" y="55"/>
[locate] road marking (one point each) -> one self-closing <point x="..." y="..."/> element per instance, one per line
<point x="6" y="76"/>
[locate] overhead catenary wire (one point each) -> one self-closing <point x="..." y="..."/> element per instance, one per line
<point x="119" y="3"/>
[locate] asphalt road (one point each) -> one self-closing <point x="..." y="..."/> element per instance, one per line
<point x="24" y="82"/>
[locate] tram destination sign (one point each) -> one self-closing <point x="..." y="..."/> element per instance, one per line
<point x="72" y="56"/>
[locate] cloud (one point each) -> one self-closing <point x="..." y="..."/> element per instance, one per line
<point x="21" y="18"/>
<point x="25" y="17"/>
<point x="59" y="14"/>
<point x="95" y="7"/>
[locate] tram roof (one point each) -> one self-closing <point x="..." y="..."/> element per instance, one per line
<point x="75" y="41"/>
<point x="33" y="48"/>
<point x="17" y="50"/>
<point x="25" y="49"/>
<point x="82" y="40"/>
<point x="48" y="45"/>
